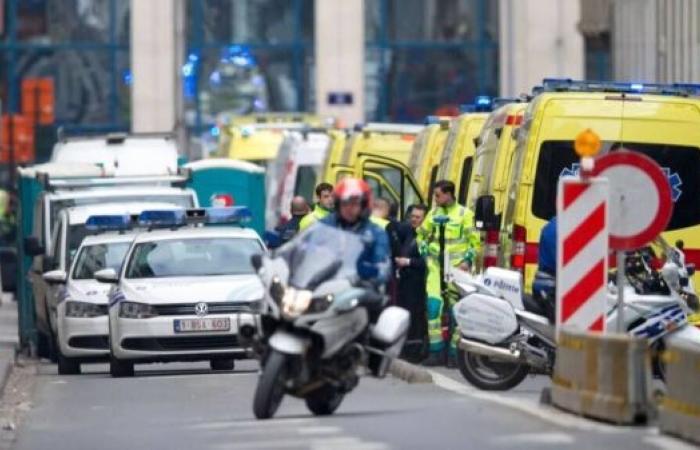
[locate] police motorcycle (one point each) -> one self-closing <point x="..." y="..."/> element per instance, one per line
<point x="316" y="334"/>
<point x="505" y="335"/>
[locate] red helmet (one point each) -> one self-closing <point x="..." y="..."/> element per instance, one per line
<point x="349" y="188"/>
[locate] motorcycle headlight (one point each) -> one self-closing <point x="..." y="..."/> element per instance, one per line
<point x="133" y="310"/>
<point x="295" y="302"/>
<point x="84" y="309"/>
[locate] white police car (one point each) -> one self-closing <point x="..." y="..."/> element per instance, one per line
<point x="81" y="310"/>
<point x="182" y="292"/>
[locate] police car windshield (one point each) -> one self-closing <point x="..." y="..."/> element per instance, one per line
<point x="97" y="257"/>
<point x="192" y="257"/>
<point x="681" y="165"/>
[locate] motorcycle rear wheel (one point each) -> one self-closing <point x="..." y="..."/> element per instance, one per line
<point x="324" y="400"/>
<point x="490" y="375"/>
<point x="270" y="389"/>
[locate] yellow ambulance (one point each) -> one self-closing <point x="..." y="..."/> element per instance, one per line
<point x="660" y="121"/>
<point x="427" y="152"/>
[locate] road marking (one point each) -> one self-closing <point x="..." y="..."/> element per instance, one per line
<point x="319" y="430"/>
<point x="668" y="443"/>
<point x="535" y="438"/>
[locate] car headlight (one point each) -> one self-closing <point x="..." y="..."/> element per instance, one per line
<point x="295" y="302"/>
<point x="84" y="309"/>
<point x="133" y="310"/>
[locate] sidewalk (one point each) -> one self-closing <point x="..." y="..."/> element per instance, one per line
<point x="8" y="337"/>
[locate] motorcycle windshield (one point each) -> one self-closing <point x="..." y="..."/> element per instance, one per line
<point x="322" y="254"/>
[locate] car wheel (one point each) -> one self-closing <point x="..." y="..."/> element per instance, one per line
<point x="67" y="366"/>
<point x="119" y="368"/>
<point x="222" y="364"/>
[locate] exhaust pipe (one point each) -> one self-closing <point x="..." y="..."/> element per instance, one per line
<point x="489" y="350"/>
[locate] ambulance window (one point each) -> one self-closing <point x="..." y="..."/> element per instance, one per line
<point x="305" y="182"/>
<point x="680" y="163"/>
<point x="431" y="187"/>
<point x="464" y="180"/>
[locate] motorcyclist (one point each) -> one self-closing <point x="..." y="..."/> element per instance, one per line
<point x="353" y="206"/>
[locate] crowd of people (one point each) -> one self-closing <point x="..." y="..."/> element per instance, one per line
<point x="416" y="250"/>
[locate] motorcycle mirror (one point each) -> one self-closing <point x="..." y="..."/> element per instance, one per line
<point x="691" y="269"/>
<point x="256" y="261"/>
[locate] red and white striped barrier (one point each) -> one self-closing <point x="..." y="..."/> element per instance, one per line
<point x="582" y="253"/>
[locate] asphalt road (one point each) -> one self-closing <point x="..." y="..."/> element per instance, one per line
<point x="185" y="406"/>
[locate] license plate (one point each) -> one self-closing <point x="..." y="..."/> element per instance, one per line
<point x="209" y="324"/>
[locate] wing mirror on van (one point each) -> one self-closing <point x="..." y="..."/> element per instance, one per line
<point x="485" y="217"/>
<point x="32" y="247"/>
<point x="55" y="277"/>
<point x="109" y="276"/>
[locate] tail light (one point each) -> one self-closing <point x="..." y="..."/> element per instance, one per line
<point x="491" y="249"/>
<point x="517" y="259"/>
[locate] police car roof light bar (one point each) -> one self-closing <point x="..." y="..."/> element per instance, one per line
<point x="230" y="215"/>
<point x="163" y="218"/>
<point x="111" y="222"/>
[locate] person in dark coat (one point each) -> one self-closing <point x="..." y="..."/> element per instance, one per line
<point x="412" y="271"/>
<point x="299" y="209"/>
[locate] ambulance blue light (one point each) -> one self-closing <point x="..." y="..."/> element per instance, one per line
<point x="639" y="87"/>
<point x="162" y="218"/>
<point x="432" y="120"/>
<point x="483" y="100"/>
<point x="232" y="214"/>
<point x="108" y="222"/>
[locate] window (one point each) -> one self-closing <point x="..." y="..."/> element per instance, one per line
<point x="97" y="257"/>
<point x="76" y="234"/>
<point x="305" y="182"/>
<point x="192" y="257"/>
<point x="464" y="180"/>
<point x="681" y="164"/>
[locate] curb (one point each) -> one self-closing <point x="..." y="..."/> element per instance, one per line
<point x="7" y="362"/>
<point x="410" y="373"/>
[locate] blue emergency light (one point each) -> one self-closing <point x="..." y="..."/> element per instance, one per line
<point x="164" y="218"/>
<point x="483" y="103"/>
<point x="432" y="120"/>
<point x="569" y="85"/>
<point x="231" y="215"/>
<point x="114" y="222"/>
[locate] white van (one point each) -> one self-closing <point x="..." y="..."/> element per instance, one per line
<point x="294" y="172"/>
<point x="120" y="153"/>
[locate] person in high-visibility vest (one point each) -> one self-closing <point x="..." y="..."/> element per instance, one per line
<point x="447" y="233"/>
<point x="380" y="212"/>
<point x="322" y="208"/>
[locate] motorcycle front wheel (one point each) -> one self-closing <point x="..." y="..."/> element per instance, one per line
<point x="270" y="389"/>
<point x="488" y="374"/>
<point x="324" y="400"/>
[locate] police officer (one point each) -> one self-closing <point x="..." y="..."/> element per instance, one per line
<point x="322" y="208"/>
<point x="446" y="234"/>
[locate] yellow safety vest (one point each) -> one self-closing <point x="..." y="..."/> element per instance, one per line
<point x="461" y="240"/>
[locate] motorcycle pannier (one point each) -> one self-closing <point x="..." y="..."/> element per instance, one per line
<point x="485" y="318"/>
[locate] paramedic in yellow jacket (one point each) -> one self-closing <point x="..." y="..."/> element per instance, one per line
<point x="323" y="207"/>
<point x="461" y="243"/>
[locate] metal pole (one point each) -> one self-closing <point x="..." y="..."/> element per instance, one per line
<point x="620" y="291"/>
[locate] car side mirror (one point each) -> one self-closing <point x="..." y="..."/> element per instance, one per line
<point x="55" y="277"/>
<point x="32" y="247"/>
<point x="109" y="276"/>
<point x="485" y="217"/>
<point x="256" y="261"/>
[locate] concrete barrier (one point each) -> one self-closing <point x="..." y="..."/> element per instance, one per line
<point x="679" y="413"/>
<point x="606" y="377"/>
